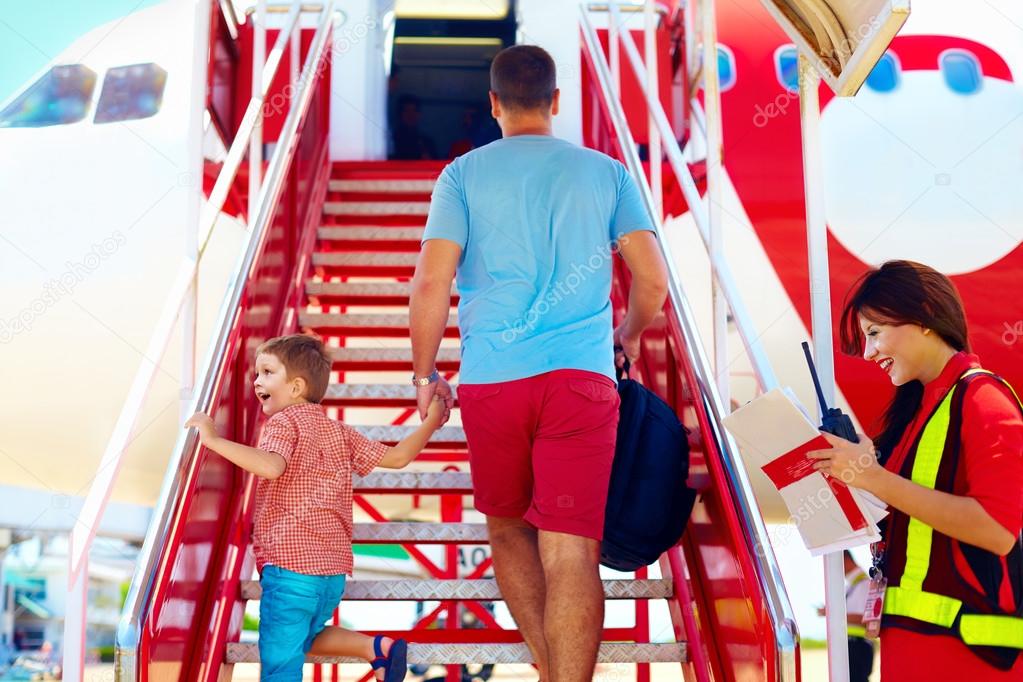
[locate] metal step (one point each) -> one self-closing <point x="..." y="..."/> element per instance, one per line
<point x="479" y="590"/>
<point x="363" y="293"/>
<point x="412" y="533"/>
<point x="389" y="359"/>
<point x="419" y="482"/>
<point x="367" y="324"/>
<point x="382" y="186"/>
<point x="376" y="207"/>
<point x="500" y="654"/>
<point x="334" y="233"/>
<point x="371" y="395"/>
<point x="367" y="264"/>
<point x="445" y="435"/>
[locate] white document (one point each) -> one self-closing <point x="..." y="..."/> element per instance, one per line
<point x="772" y="432"/>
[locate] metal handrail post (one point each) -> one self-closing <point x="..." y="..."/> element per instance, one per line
<point x="712" y="100"/>
<point x="256" y="141"/>
<point x="613" y="48"/>
<point x="653" y="83"/>
<point x="820" y="309"/>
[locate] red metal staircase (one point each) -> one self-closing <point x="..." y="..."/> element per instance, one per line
<point x="357" y="297"/>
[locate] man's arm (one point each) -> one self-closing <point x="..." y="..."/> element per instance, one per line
<point x="259" y="462"/>
<point x="649" y="287"/>
<point x="429" y="308"/>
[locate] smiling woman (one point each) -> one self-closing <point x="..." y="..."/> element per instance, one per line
<point x="950" y="464"/>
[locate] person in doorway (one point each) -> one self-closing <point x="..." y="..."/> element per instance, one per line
<point x="861" y="649"/>
<point x="530" y="224"/>
<point x="410" y="144"/>
<point x="302" y="533"/>
<point x="949" y="462"/>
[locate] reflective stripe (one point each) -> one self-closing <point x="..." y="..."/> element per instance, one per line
<point x="856" y="631"/>
<point x="992" y="630"/>
<point x="928" y="607"/>
<point x="925" y="472"/>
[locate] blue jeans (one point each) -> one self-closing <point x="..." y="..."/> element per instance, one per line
<point x="293" y="609"/>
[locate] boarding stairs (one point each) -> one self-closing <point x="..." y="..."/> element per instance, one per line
<point x="357" y="300"/>
<point x="332" y="250"/>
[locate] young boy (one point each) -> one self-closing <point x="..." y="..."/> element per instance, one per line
<point x="302" y="535"/>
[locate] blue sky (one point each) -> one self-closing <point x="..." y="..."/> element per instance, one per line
<point x="32" y="34"/>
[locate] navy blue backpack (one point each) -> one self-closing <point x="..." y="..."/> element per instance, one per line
<point x="648" y="502"/>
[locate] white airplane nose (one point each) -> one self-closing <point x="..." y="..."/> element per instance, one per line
<point x="925" y="173"/>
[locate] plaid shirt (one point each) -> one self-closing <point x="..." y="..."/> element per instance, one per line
<point x="304" y="518"/>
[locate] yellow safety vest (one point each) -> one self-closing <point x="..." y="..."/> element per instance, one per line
<point x="908" y="598"/>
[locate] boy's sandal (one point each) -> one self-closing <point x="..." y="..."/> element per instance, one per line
<point x="394" y="664"/>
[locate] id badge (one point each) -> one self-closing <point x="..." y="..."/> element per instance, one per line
<point x="875" y="606"/>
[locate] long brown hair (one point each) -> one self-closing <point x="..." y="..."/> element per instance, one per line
<point x="903" y="292"/>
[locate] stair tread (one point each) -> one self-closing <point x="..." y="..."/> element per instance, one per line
<point x="382" y="185"/>
<point x="367" y="289"/>
<point x="388" y="354"/>
<point x="482" y="590"/>
<point x="370" y="392"/>
<point x="411" y="532"/>
<point x="414" y="481"/>
<point x="393" y="320"/>
<point x="376" y="207"/>
<point x="375" y="258"/>
<point x="388" y="433"/>
<point x="369" y="233"/>
<point x="473" y="653"/>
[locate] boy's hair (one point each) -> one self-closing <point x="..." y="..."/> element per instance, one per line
<point x="302" y="356"/>
<point x="523" y="77"/>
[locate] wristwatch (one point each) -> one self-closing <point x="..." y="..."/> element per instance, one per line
<point x="431" y="378"/>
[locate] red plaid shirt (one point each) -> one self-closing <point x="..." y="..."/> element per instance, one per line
<point x="304" y="518"/>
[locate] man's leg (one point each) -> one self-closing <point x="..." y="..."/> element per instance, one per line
<point x="574" y="611"/>
<point x="572" y="455"/>
<point x="520" y="576"/>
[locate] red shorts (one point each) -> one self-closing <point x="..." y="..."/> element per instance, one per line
<point x="541" y="448"/>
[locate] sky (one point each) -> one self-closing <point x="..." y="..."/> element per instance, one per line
<point x="34" y="33"/>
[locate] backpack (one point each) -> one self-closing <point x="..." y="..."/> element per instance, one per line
<point x="648" y="502"/>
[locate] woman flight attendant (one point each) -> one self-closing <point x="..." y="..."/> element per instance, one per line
<point x="949" y="463"/>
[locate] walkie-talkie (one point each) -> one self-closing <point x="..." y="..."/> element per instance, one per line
<point x="833" y="420"/>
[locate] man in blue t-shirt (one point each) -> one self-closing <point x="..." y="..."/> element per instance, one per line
<point x="531" y="225"/>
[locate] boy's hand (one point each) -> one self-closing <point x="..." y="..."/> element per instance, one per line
<point x="202" y="422"/>
<point x="436" y="413"/>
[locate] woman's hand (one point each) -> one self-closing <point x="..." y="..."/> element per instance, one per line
<point x="854" y="464"/>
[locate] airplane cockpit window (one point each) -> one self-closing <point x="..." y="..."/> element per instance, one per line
<point x="61" y="96"/>
<point x="961" y="71"/>
<point x="884" y="77"/>
<point x="130" y="92"/>
<point x="786" y="67"/>
<point x="726" y="67"/>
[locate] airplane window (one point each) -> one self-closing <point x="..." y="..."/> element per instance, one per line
<point x="786" y="67"/>
<point x="961" y="72"/>
<point x="61" y="96"/>
<point x="726" y="67"/>
<point x="884" y="77"/>
<point x="130" y="92"/>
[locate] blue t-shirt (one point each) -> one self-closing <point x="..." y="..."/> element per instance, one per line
<point x="539" y="220"/>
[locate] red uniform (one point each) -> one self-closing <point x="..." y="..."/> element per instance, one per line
<point x="991" y="471"/>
